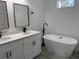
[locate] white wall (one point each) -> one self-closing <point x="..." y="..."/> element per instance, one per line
<point x="37" y="6"/>
<point x="64" y="21"/>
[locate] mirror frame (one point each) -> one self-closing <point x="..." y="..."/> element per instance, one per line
<point x="15" y="16"/>
<point x="6" y="14"/>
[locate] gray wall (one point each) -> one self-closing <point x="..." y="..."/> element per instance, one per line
<point x="64" y="21"/>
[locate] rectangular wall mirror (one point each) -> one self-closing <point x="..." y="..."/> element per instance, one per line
<point x="4" y="23"/>
<point x="21" y="15"/>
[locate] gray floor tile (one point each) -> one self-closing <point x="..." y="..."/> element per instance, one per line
<point x="47" y="55"/>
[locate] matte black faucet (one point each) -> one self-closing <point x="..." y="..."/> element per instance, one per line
<point x="44" y="27"/>
<point x="43" y="32"/>
<point x="24" y="29"/>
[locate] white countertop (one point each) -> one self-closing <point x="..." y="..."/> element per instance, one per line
<point x="13" y="37"/>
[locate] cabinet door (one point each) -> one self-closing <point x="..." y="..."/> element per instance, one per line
<point x="32" y="46"/>
<point x="4" y="52"/>
<point x="27" y="48"/>
<point x="4" y="55"/>
<point x="17" y="52"/>
<point x="36" y="45"/>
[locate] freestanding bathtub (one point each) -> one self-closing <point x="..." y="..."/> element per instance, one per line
<point x="59" y="45"/>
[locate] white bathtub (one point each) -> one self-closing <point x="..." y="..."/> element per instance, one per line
<point x="62" y="46"/>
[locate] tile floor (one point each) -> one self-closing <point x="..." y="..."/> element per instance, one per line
<point x="47" y="55"/>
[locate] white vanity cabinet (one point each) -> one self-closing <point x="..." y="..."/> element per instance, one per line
<point x="21" y="46"/>
<point x="32" y="46"/>
<point x="12" y="50"/>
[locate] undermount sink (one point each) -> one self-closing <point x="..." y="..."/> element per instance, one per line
<point x="5" y="38"/>
<point x="16" y="36"/>
<point x="28" y="32"/>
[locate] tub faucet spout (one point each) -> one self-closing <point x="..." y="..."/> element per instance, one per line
<point x="44" y="27"/>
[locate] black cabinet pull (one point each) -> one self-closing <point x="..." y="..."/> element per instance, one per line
<point x="7" y="55"/>
<point x="10" y="53"/>
<point x="34" y="43"/>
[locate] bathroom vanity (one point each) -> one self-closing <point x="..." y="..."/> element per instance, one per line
<point x="21" y="45"/>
